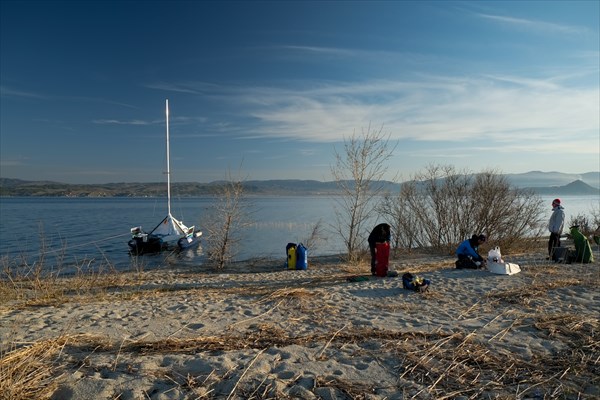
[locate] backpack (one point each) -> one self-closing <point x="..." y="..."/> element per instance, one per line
<point x="415" y="282"/>
<point x="301" y="257"/>
<point x="382" y="259"/>
<point x="290" y="251"/>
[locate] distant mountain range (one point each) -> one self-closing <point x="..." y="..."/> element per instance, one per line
<point x="537" y="179"/>
<point x="543" y="183"/>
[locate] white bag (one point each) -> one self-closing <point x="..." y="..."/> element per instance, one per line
<point x="503" y="268"/>
<point x="494" y="255"/>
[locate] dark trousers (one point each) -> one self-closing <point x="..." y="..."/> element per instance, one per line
<point x="373" y="257"/>
<point x="553" y="242"/>
<point x="465" y="262"/>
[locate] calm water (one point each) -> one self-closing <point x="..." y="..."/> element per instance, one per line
<point x="98" y="228"/>
<point x="86" y="228"/>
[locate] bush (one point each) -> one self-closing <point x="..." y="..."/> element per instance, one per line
<point x="441" y="206"/>
<point x="225" y="222"/>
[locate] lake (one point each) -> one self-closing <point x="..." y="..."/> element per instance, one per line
<point x="78" y="229"/>
<point x="99" y="228"/>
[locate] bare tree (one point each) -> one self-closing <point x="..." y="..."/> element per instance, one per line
<point x="226" y="220"/>
<point x="441" y="206"/>
<point x="505" y="213"/>
<point x="584" y="223"/>
<point x="401" y="218"/>
<point x="358" y="173"/>
<point x="595" y="218"/>
<point x="316" y="236"/>
<point x="432" y="209"/>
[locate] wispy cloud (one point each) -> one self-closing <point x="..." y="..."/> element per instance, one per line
<point x="518" y="81"/>
<point x="427" y="108"/>
<point x="11" y="163"/>
<point x="5" y="91"/>
<point x="176" y="120"/>
<point x="192" y="87"/>
<point x="434" y="109"/>
<point x="334" y="51"/>
<point x="120" y="122"/>
<point x="536" y="25"/>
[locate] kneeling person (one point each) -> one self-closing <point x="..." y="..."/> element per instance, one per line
<point x="468" y="253"/>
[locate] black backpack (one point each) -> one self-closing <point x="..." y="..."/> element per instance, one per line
<point x="409" y="283"/>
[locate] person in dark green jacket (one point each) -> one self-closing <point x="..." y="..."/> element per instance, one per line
<point x="582" y="246"/>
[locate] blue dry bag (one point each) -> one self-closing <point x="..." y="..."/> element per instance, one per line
<point x="301" y="257"/>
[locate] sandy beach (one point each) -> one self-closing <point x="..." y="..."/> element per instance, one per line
<point x="259" y="331"/>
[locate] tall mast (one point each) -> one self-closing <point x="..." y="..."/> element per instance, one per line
<point x="168" y="162"/>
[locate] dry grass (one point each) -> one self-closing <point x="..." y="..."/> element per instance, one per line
<point x="31" y="370"/>
<point x="23" y="285"/>
<point x="28" y="372"/>
<point x="524" y="295"/>
<point x="439" y="364"/>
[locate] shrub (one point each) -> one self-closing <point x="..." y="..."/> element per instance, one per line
<point x="441" y="206"/>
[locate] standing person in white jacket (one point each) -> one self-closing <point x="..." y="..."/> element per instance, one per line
<point x="555" y="226"/>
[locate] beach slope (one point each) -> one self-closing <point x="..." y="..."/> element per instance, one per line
<point x="258" y="331"/>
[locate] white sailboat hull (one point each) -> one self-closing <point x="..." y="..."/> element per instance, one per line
<point x="170" y="233"/>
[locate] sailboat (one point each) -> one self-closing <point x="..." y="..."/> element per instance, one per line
<point x="170" y="233"/>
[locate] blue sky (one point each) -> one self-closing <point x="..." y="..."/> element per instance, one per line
<point x="269" y="90"/>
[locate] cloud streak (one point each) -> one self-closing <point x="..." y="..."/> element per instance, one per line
<point x="536" y="25"/>
<point x="6" y="91"/>
<point x="522" y="113"/>
<point x="437" y="108"/>
<point x="118" y="122"/>
<point x="11" y="92"/>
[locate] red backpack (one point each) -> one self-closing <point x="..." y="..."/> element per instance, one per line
<point x="382" y="257"/>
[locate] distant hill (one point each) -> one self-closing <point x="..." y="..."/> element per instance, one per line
<point x="550" y="179"/>
<point x="544" y="183"/>
<point x="574" y="188"/>
<point x="17" y="188"/>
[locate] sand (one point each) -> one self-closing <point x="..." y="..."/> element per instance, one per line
<point x="278" y="334"/>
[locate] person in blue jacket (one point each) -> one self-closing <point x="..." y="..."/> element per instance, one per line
<point x="468" y="253"/>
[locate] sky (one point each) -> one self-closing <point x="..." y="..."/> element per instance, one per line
<point x="273" y="89"/>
